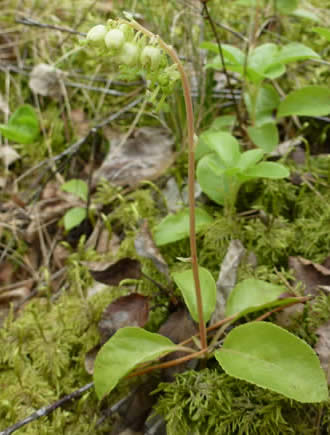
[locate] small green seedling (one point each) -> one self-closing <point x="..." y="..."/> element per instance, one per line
<point x="258" y="352"/>
<point x="265" y="62"/>
<point x="75" y="215"/>
<point x="223" y="168"/>
<point x="22" y="127"/>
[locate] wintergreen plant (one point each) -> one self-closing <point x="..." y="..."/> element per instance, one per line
<point x="258" y="352"/>
<point x="264" y="63"/>
<point x="223" y="168"/>
<point x="135" y="52"/>
<point x="23" y="126"/>
<point x="75" y="215"/>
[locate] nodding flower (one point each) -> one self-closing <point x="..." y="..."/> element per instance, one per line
<point x="115" y="38"/>
<point x="97" y="33"/>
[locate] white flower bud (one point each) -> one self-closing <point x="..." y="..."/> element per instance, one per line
<point x="151" y="57"/>
<point x="97" y="33"/>
<point x="129" y="54"/>
<point x="114" y="38"/>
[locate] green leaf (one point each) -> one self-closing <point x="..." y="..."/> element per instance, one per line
<point x="74" y="217"/>
<point x="77" y="188"/>
<point x="250" y="158"/>
<point x="210" y="46"/>
<point x="286" y="6"/>
<point x="176" y="227"/>
<point x="218" y="188"/>
<point x="233" y="56"/>
<point x="274" y="71"/>
<point x="225" y="122"/>
<point x="268" y="170"/>
<point x="294" y="52"/>
<point x="323" y="31"/>
<point x="271" y="357"/>
<point x="308" y="15"/>
<point x="252" y="293"/>
<point x="23" y="126"/>
<point x="266" y="102"/>
<point x="127" y="348"/>
<point x="185" y="281"/>
<point x="265" y="137"/>
<point x="307" y="101"/>
<point x="262" y="57"/>
<point x="225" y="146"/>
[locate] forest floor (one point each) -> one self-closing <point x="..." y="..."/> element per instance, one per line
<point x="68" y="250"/>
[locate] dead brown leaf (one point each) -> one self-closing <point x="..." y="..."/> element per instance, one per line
<point x="45" y="80"/>
<point x="178" y="327"/>
<point x="312" y="275"/>
<point x="131" y="310"/>
<point x="145" y="247"/>
<point x="113" y="274"/>
<point x="9" y="155"/>
<point x="323" y="347"/>
<point x="90" y="359"/>
<point x="145" y="155"/>
<point x="80" y="122"/>
<point x="227" y="278"/>
<point x="4" y="105"/>
<point x="6" y="273"/>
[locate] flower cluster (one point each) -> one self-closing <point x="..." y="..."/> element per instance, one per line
<point x="134" y="52"/>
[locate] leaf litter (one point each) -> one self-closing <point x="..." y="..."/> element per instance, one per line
<point x="145" y="155"/>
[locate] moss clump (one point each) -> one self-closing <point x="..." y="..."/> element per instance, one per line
<point x="42" y="359"/>
<point x="210" y="402"/>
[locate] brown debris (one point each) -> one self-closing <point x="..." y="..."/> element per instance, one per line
<point x="145" y="155"/>
<point x="312" y="275"/>
<point x="113" y="274"/>
<point x="131" y="310"/>
<point x="145" y="247"/>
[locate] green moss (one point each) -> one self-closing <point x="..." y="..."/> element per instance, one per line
<point x="42" y="359"/>
<point x="211" y="402"/>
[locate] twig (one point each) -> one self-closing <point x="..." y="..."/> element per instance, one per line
<point x="300" y="300"/>
<point x="72" y="149"/>
<point x="46" y="410"/>
<point x="229" y="84"/>
<point x="31" y="22"/>
<point x="166" y="364"/>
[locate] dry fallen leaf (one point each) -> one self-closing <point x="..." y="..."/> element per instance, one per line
<point x="178" y="327"/>
<point x="113" y="274"/>
<point x="145" y="247"/>
<point x="172" y="194"/>
<point x="310" y="274"/>
<point x="4" y="105"/>
<point x="136" y="410"/>
<point x="145" y="155"/>
<point x="131" y="310"/>
<point x="323" y="347"/>
<point x="45" y="80"/>
<point x="314" y="277"/>
<point x="227" y="278"/>
<point x="80" y="122"/>
<point x="8" y="155"/>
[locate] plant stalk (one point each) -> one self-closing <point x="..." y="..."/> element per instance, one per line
<point x="191" y="173"/>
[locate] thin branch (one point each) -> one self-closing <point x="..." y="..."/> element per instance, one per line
<point x="46" y="410"/>
<point x="229" y="84"/>
<point x="72" y="149"/>
<point x="31" y="22"/>
<point x="166" y="364"/>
